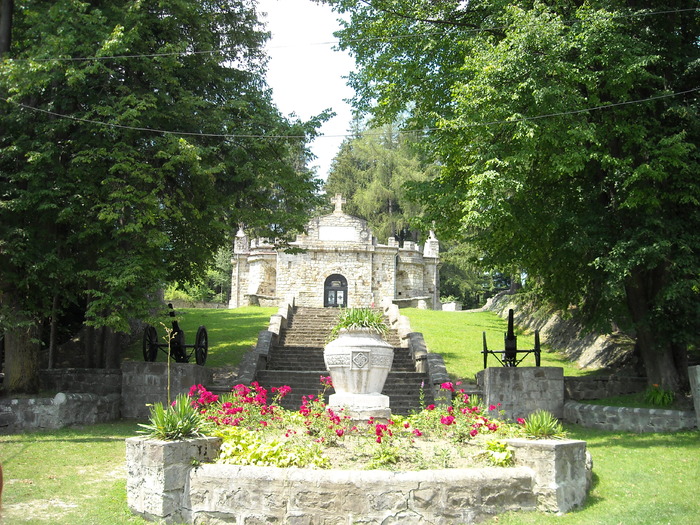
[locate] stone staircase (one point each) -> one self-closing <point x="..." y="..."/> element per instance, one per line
<point x="297" y="361"/>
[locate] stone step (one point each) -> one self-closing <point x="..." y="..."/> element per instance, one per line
<point x="297" y="361"/>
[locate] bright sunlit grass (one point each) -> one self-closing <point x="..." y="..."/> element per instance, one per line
<point x="457" y="336"/>
<point x="232" y="332"/>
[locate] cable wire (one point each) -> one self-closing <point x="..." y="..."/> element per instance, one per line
<point x="346" y="135"/>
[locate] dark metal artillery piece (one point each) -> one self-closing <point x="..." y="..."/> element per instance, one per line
<point x="509" y="356"/>
<point x="178" y="348"/>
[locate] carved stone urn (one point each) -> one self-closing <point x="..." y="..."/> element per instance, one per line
<point x="359" y="361"/>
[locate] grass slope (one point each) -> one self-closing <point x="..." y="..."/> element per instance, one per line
<point x="231" y="332"/>
<point x="457" y="336"/>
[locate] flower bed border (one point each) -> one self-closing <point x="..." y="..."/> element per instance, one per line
<point x="168" y="480"/>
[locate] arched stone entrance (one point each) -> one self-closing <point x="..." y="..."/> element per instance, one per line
<point x="335" y="291"/>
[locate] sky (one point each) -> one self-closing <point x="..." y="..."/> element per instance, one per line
<point x="305" y="73"/>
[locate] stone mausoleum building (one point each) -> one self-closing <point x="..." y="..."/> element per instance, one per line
<point x="340" y="263"/>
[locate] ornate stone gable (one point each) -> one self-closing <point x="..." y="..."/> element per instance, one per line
<point x="339" y="263"/>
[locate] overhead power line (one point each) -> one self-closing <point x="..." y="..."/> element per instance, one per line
<point x="346" y="135"/>
<point x="327" y="43"/>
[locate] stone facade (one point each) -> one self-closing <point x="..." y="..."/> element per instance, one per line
<point x="337" y="262"/>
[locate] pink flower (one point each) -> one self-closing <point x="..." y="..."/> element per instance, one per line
<point x="473" y="432"/>
<point x="339" y="432"/>
<point x="492" y="407"/>
<point x="447" y="420"/>
<point x="448" y="386"/>
<point x="327" y="380"/>
<point x="520" y="421"/>
<point x="430" y="407"/>
<point x="417" y="432"/>
<point x="406" y="424"/>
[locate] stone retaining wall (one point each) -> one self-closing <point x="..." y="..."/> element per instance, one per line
<point x="583" y="388"/>
<point x="627" y="419"/>
<point x="163" y="484"/>
<point x="146" y="383"/>
<point x="62" y="410"/>
<point x="98" y="381"/>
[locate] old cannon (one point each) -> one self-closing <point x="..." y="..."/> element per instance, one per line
<point x="509" y="356"/>
<point x="178" y="348"/>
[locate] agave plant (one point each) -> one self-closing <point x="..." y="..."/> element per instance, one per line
<point x="179" y="421"/>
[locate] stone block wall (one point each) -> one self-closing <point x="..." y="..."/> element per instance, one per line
<point x="627" y="419"/>
<point x="62" y="410"/>
<point x="524" y="390"/>
<point x="158" y="474"/>
<point x="582" y="388"/>
<point x="145" y="383"/>
<point x="83" y="380"/>
<point x="171" y="485"/>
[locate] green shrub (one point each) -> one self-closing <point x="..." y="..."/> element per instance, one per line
<point x="542" y="424"/>
<point x="179" y="421"/>
<point x="498" y="453"/>
<point x="659" y="397"/>
<point x="244" y="447"/>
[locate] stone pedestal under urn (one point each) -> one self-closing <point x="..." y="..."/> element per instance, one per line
<point x="359" y="361"/>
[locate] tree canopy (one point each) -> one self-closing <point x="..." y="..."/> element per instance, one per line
<point x="371" y="171"/>
<point x="136" y="136"/>
<point x="567" y="133"/>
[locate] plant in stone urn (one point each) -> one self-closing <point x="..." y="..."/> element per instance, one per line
<point x="359" y="360"/>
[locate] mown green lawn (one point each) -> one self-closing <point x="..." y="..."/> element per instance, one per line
<point x="231" y="332"/>
<point x="458" y="337"/>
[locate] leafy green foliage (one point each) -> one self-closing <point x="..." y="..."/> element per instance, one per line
<point x="179" y="421"/>
<point x="659" y="397"/>
<point x="542" y="424"/>
<point x="498" y="453"/>
<point x="352" y="318"/>
<point x="137" y="136"/>
<point x="567" y="133"/>
<point x="371" y="171"/>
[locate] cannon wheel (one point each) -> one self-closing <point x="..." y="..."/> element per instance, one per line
<point x="201" y="346"/>
<point x="150" y="344"/>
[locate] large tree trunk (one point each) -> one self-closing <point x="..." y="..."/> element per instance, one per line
<point x="6" y="7"/>
<point x="660" y="359"/>
<point x="22" y="359"/>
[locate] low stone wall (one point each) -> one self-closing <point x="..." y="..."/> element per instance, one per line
<point x="98" y="381"/>
<point x="163" y="484"/>
<point x="146" y="383"/>
<point x="583" y="388"/>
<point x="627" y="419"/>
<point x="523" y="390"/>
<point x="62" y="410"/>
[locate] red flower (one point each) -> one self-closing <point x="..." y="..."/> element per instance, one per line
<point x="430" y="407"/>
<point x="417" y="432"/>
<point x="447" y="420"/>
<point x="520" y="421"/>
